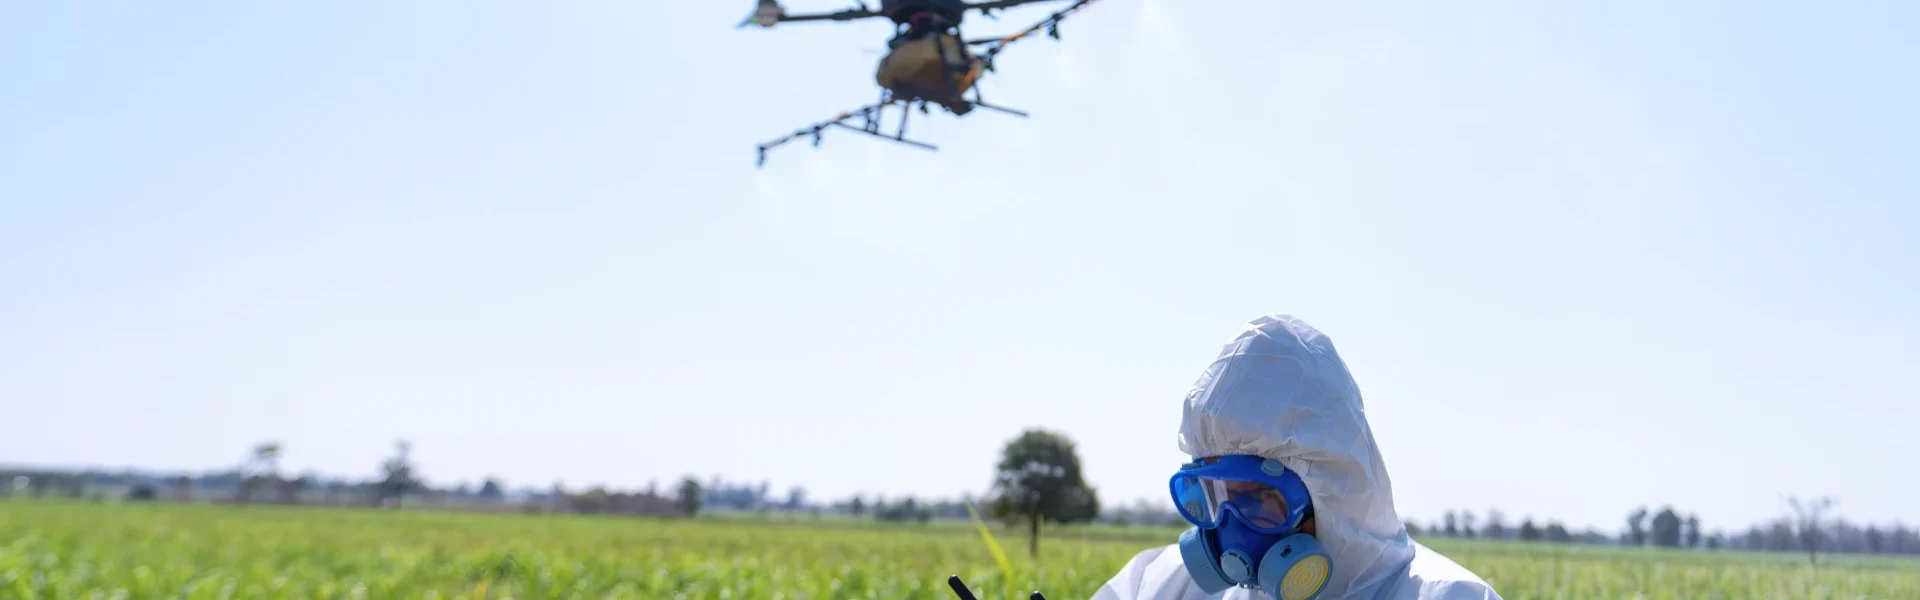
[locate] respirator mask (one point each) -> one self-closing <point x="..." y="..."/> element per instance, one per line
<point x="1246" y="511"/>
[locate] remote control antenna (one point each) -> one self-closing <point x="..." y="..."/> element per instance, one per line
<point x="959" y="588"/>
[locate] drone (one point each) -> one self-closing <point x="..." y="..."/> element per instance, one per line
<point x="927" y="60"/>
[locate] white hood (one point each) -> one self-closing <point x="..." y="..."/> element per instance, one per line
<point x="1279" y="390"/>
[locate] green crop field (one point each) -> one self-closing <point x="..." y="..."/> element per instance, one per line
<point x="114" y="551"/>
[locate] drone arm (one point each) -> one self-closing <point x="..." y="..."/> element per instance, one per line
<point x="1051" y="25"/>
<point x="1001" y="4"/>
<point x="769" y="12"/>
<point x="845" y="15"/>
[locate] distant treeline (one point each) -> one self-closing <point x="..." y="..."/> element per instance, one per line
<point x="258" y="481"/>
<point x="1804" y="530"/>
<point x="398" y="487"/>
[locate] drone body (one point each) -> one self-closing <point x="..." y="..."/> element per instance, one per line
<point x="927" y="60"/>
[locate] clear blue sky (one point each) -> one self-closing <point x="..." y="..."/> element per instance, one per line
<point x="1582" y="257"/>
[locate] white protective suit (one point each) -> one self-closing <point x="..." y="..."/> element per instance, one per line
<point x="1279" y="390"/>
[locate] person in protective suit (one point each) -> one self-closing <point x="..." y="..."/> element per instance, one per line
<point x="1287" y="494"/>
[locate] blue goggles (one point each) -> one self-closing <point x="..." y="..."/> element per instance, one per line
<point x="1263" y="493"/>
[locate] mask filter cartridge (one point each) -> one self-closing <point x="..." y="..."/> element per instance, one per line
<point x="1294" y="568"/>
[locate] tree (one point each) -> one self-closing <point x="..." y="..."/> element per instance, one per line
<point x="1557" y="533"/>
<point x="796" y="498"/>
<point x="1466" y="523"/>
<point x="905" y="510"/>
<point x="858" y="506"/>
<point x="266" y="458"/>
<point x="1528" y="532"/>
<point x="183" y="489"/>
<point x="1808" y="519"/>
<point x="1874" y="540"/>
<point x="1039" y="478"/>
<point x="689" y="496"/>
<point x="1496" y="528"/>
<point x="1591" y="535"/>
<point x="261" y="467"/>
<point x="556" y="499"/>
<point x="1666" y="528"/>
<point x="1693" y="531"/>
<point x="398" y="477"/>
<point x="1452" y="524"/>
<point x="1636" y="533"/>
<point x="142" y="493"/>
<point x="1780" y="536"/>
<point x="290" y="489"/>
<point x="490" y="489"/>
<point x="1842" y="536"/>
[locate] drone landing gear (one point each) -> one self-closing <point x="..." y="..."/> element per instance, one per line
<point x="978" y="102"/>
<point x="870" y="117"/>
<point x="1017" y="113"/>
<point x="872" y="126"/>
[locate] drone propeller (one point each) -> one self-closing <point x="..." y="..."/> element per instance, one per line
<point x="765" y="14"/>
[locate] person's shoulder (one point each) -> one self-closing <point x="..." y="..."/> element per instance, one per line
<point x="1458" y="589"/>
<point x="1131" y="582"/>
<point x="1440" y="578"/>
<point x="1146" y="558"/>
<point x="1156" y="574"/>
